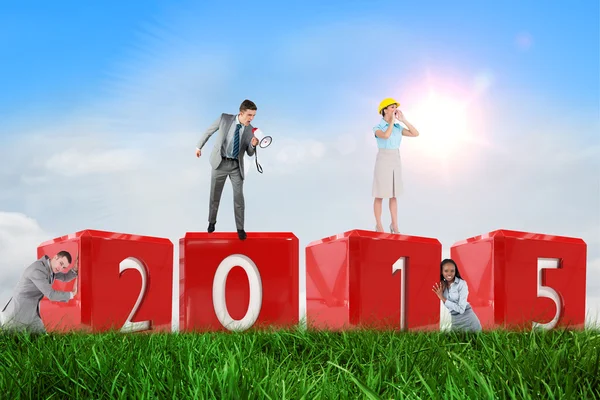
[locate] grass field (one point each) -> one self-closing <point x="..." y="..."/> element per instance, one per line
<point x="299" y="364"/>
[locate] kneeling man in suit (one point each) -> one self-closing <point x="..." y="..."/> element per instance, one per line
<point x="22" y="312"/>
<point x="227" y="160"/>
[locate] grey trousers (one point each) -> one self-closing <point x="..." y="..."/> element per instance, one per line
<point x="35" y="326"/>
<point x="227" y="168"/>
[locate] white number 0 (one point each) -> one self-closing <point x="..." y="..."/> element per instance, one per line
<point x="546" y="291"/>
<point x="219" y="302"/>
<point x="132" y="263"/>
<point x="400" y="265"/>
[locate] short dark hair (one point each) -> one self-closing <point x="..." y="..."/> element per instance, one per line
<point x="65" y="254"/>
<point x="449" y="261"/>
<point x="247" y="105"/>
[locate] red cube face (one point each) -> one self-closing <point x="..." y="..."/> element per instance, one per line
<point x="232" y="284"/>
<point x="124" y="283"/>
<point x="373" y="280"/>
<point x="520" y="280"/>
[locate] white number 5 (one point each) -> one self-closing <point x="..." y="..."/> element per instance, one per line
<point x="132" y="263"/>
<point x="546" y="291"/>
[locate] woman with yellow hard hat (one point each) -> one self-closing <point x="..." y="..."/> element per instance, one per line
<point x="387" y="178"/>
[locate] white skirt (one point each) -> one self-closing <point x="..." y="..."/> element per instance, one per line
<point x="387" y="177"/>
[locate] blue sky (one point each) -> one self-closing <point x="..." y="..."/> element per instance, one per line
<point x="102" y="104"/>
<point x="60" y="55"/>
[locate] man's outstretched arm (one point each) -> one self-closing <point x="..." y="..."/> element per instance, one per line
<point x="40" y="280"/>
<point x="69" y="276"/>
<point x="208" y="133"/>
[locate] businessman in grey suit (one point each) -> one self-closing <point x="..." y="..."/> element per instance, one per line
<point x="227" y="160"/>
<point x="22" y="312"/>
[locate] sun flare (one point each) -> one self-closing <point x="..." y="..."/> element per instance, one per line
<point x="442" y="123"/>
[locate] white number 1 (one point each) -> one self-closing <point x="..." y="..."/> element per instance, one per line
<point x="546" y="291"/>
<point x="400" y="265"/>
<point x="132" y="263"/>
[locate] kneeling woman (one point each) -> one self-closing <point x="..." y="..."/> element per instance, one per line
<point x="453" y="292"/>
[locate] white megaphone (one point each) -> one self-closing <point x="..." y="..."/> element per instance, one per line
<point x="263" y="142"/>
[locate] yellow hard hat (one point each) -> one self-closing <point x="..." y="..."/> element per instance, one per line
<point x="387" y="102"/>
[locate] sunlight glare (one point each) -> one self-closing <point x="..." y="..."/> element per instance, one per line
<point x="442" y="124"/>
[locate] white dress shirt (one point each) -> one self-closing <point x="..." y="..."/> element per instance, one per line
<point x="456" y="296"/>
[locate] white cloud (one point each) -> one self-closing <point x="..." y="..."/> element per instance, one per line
<point x="19" y="237"/>
<point x="592" y="318"/>
<point x="593" y="290"/>
<point x="74" y="162"/>
<point x="294" y="151"/>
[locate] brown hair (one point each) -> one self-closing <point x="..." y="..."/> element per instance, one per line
<point x="247" y="105"/>
<point x="65" y="254"/>
<point x="383" y="109"/>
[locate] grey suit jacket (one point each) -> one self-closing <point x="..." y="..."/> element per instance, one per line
<point x="222" y="124"/>
<point x="35" y="283"/>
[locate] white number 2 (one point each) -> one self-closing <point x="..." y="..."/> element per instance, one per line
<point x="400" y="265"/>
<point x="132" y="263"/>
<point x="219" y="301"/>
<point x="546" y="291"/>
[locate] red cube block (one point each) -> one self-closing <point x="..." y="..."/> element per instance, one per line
<point x="232" y="284"/>
<point x="124" y="283"/>
<point x="364" y="279"/>
<point x="521" y="280"/>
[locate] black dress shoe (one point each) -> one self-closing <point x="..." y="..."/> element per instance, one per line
<point x="211" y="228"/>
<point x="241" y="234"/>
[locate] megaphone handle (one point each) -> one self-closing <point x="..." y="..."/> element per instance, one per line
<point x="258" y="167"/>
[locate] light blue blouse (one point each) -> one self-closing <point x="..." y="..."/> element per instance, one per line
<point x="456" y="297"/>
<point x="393" y="142"/>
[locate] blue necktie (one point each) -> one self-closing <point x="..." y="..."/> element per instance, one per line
<point x="236" y="141"/>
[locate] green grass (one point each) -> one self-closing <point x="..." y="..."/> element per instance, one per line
<point x="298" y="364"/>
